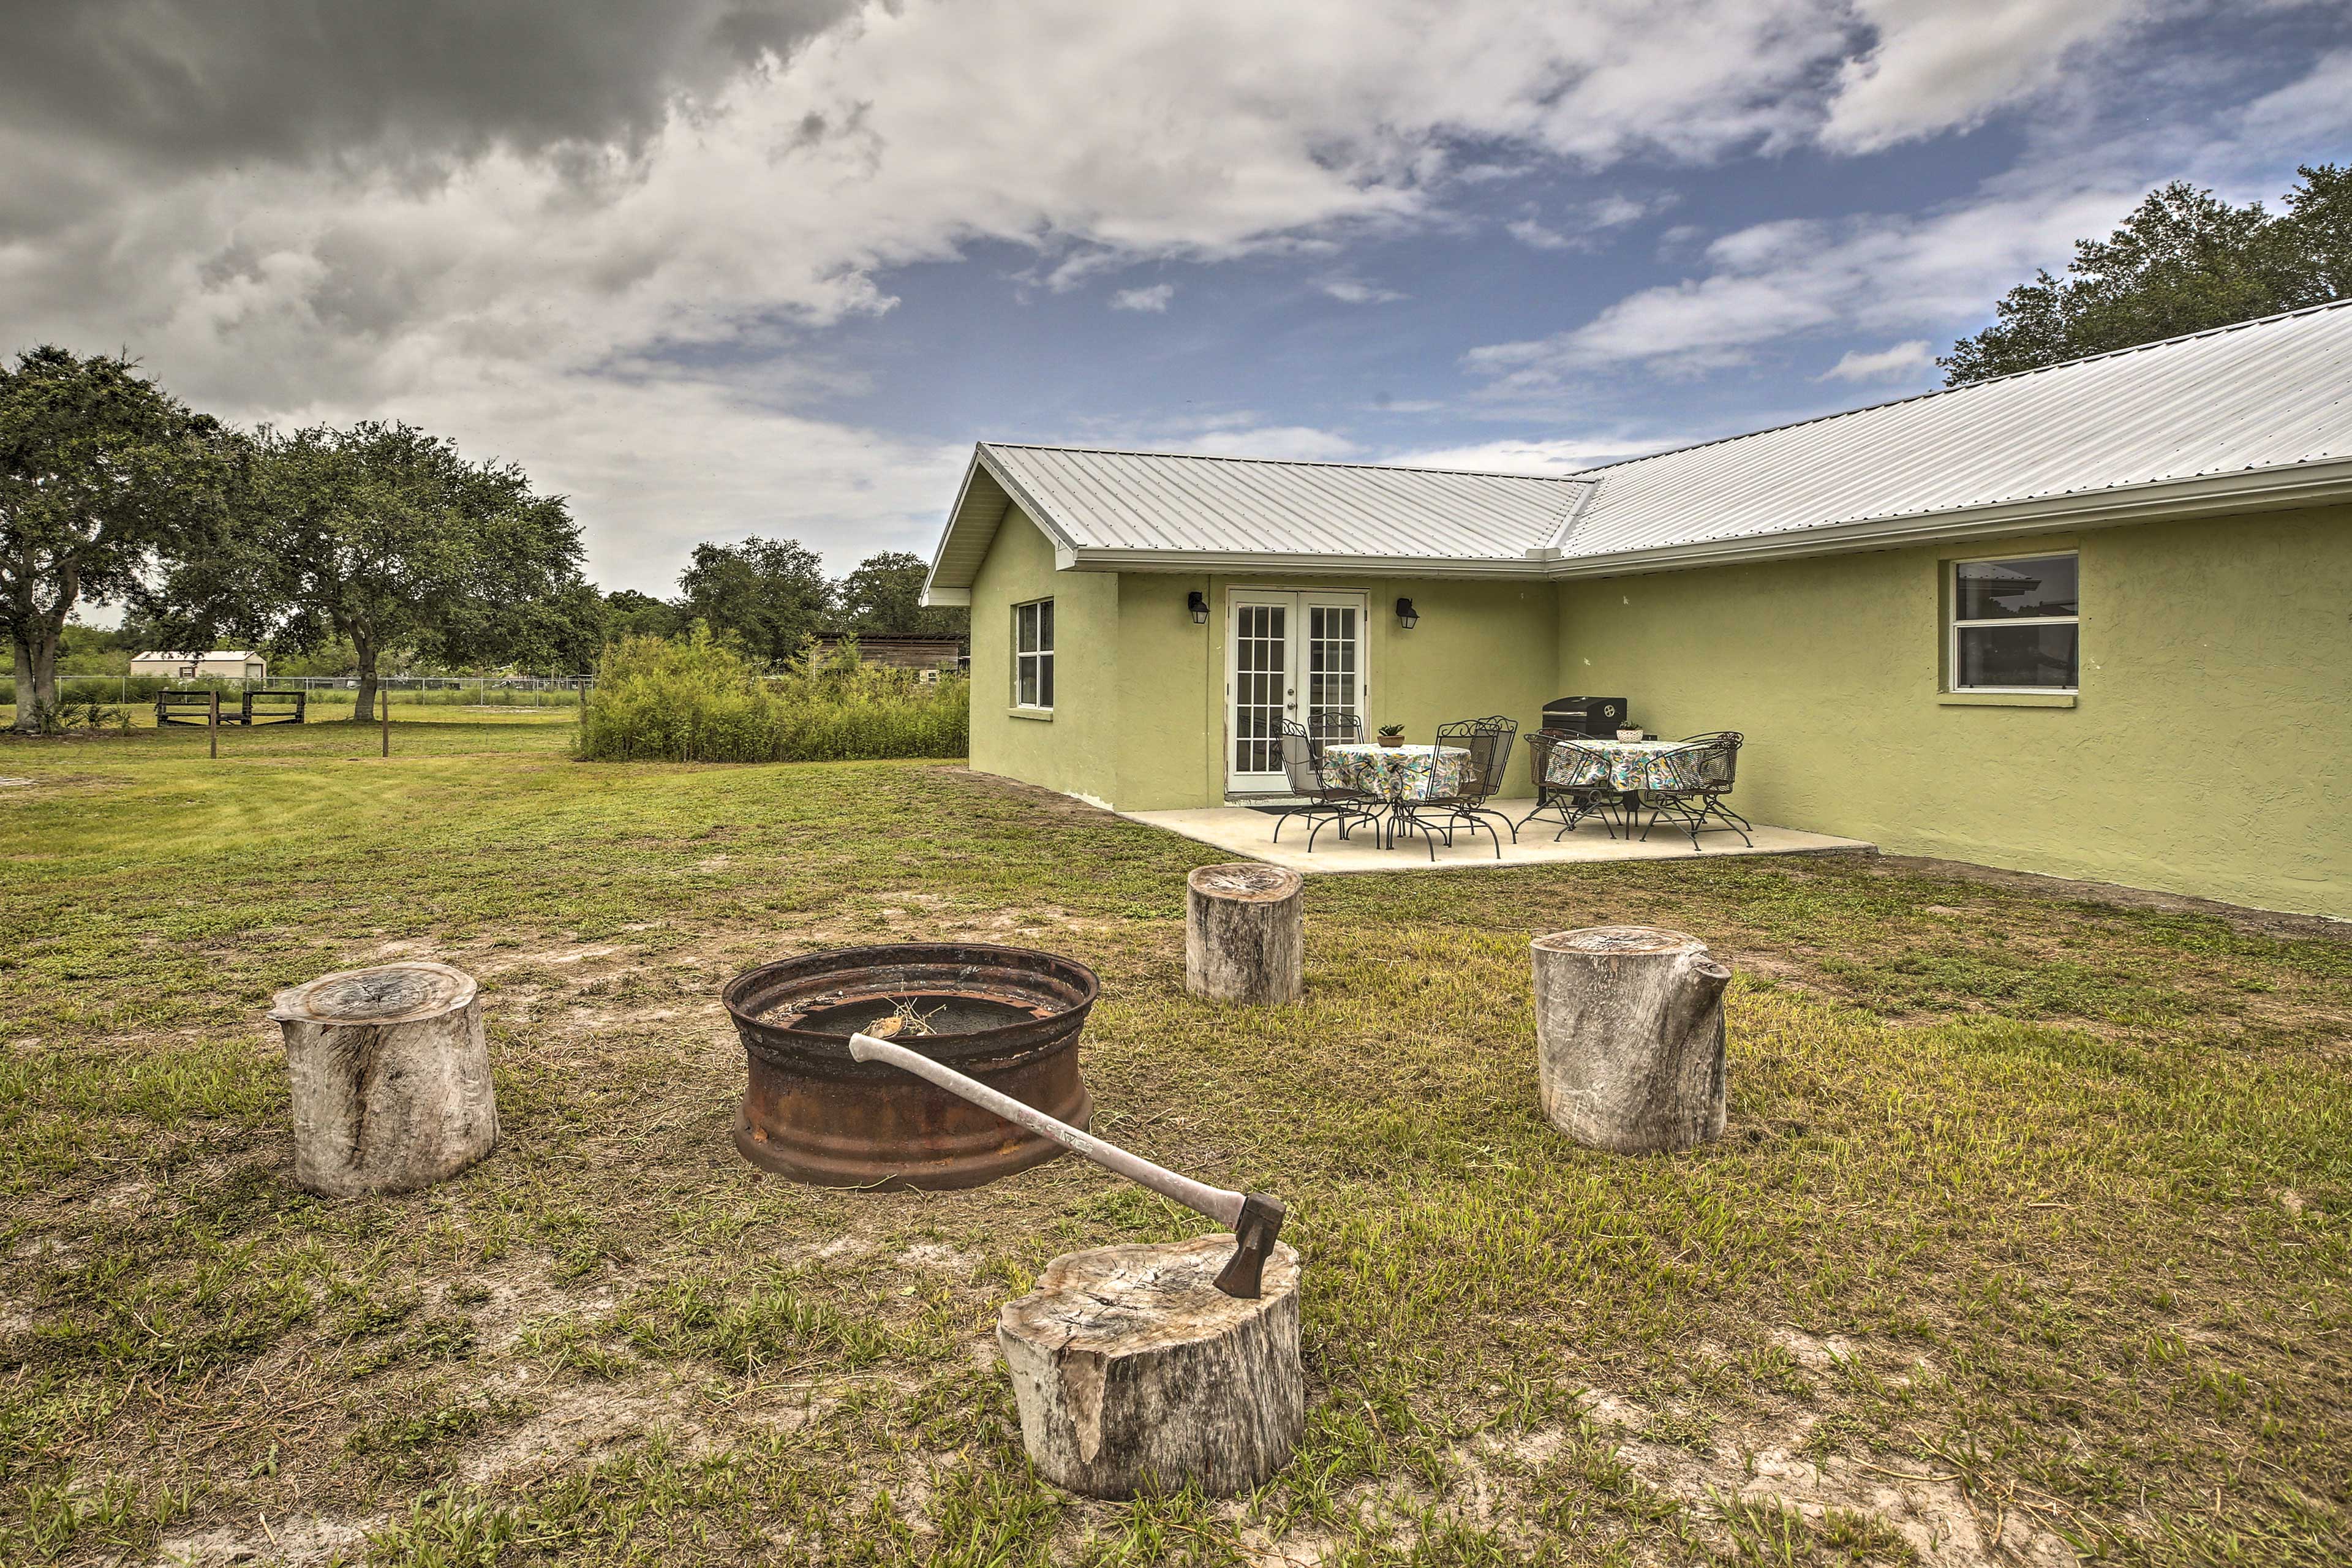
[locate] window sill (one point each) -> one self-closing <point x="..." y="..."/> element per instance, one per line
<point x="2006" y="700"/>
<point x="1041" y="715"/>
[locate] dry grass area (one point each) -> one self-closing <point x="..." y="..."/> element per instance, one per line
<point x="2028" y="1242"/>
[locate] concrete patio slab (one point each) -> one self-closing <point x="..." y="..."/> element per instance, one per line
<point x="1250" y="833"/>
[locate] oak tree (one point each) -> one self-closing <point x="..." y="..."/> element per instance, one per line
<point x="769" y="594"/>
<point x="386" y="537"/>
<point x="104" y="480"/>
<point x="2184" y="261"/>
<point x="884" y="597"/>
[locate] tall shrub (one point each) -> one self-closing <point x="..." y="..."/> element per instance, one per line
<point x="693" y="699"/>
<point x="697" y="700"/>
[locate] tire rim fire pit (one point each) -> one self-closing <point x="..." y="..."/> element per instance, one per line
<point x="1006" y="1015"/>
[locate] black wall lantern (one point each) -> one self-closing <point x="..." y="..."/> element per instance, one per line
<point x="1407" y="617"/>
<point x="1198" y="602"/>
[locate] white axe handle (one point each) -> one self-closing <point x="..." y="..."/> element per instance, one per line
<point x="1219" y="1204"/>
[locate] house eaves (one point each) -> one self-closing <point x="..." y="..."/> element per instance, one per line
<point x="2256" y="489"/>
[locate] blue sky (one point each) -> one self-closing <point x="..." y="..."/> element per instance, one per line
<point x="715" y="267"/>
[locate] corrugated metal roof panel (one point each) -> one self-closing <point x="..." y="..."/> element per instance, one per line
<point x="2265" y="393"/>
<point x="1154" y="500"/>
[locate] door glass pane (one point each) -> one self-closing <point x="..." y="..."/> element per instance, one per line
<point x="1261" y="664"/>
<point x="2019" y="656"/>
<point x="1330" y="669"/>
<point x="2005" y="589"/>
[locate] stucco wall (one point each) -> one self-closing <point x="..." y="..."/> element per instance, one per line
<point x="1074" y="748"/>
<point x="2209" y="751"/>
<point x="1140" y="720"/>
<point x="1480" y="647"/>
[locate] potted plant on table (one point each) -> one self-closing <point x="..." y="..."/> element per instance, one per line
<point x="1391" y="735"/>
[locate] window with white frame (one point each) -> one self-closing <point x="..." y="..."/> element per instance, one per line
<point x="1033" y="653"/>
<point x="2016" y="624"/>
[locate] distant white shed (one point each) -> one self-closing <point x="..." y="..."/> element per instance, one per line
<point x="220" y="664"/>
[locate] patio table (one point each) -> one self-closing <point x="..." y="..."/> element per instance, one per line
<point x="1628" y="767"/>
<point x="1631" y="766"/>
<point x="1398" y="776"/>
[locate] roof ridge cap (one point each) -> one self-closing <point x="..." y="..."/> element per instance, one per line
<point x="1580" y="476"/>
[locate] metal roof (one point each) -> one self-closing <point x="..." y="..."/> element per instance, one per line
<point x="2258" y="413"/>
<point x="2258" y="394"/>
<point x="1155" y="500"/>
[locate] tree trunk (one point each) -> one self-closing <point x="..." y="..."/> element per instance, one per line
<point x="1629" y="1037"/>
<point x="21" y="682"/>
<point x="363" y="705"/>
<point x="1133" y="1370"/>
<point x="44" y="671"/>
<point x="1245" y="933"/>
<point x="391" y="1077"/>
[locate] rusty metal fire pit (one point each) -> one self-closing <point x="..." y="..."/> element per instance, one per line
<point x="1006" y="1015"/>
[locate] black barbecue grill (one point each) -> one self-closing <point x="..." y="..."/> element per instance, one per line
<point x="1594" y="716"/>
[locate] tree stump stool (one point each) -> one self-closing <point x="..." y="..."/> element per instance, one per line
<point x="391" y="1077"/>
<point x="1245" y="933"/>
<point x="1629" y="1037"/>
<point x="1133" y="1370"/>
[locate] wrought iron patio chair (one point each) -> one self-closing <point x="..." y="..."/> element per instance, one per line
<point x="1688" y="786"/>
<point x="1571" y="782"/>
<point x="1302" y="763"/>
<point x="1487" y="744"/>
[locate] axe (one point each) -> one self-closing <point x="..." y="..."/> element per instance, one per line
<point x="1254" y="1218"/>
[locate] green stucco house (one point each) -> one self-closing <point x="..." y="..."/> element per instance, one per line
<point x="2094" y="620"/>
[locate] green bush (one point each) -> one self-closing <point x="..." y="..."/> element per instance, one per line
<point x="697" y="700"/>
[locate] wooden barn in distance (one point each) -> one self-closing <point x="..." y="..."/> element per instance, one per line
<point x="901" y="652"/>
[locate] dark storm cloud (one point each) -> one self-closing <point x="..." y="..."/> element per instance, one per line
<point x="169" y="87"/>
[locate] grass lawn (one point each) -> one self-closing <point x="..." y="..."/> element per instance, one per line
<point x="2028" y="1239"/>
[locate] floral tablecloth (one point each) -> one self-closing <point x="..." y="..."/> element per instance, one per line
<point x="1619" y="765"/>
<point x="1398" y="774"/>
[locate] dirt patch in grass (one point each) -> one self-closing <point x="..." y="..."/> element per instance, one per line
<point x="2238" y="917"/>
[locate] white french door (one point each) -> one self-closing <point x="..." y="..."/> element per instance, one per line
<point x="1287" y="656"/>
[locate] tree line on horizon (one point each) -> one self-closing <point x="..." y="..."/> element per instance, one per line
<point x="372" y="543"/>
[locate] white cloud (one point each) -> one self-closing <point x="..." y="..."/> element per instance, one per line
<point x="1881" y="274"/>
<point x="1611" y="211"/>
<point x="1546" y="455"/>
<point x="1901" y="359"/>
<point x="1154" y="298"/>
<point x="1939" y="66"/>
<point x="1589" y="220"/>
<point x="1777" y="281"/>
<point x="1538" y="237"/>
<point x="1356" y="291"/>
<point x="1299" y="443"/>
<point x="2310" y="109"/>
<point x="506" y="297"/>
<point x="1222" y="431"/>
<point x="537" y="304"/>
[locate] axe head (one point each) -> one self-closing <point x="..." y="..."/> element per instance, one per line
<point x="1254" y="1233"/>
